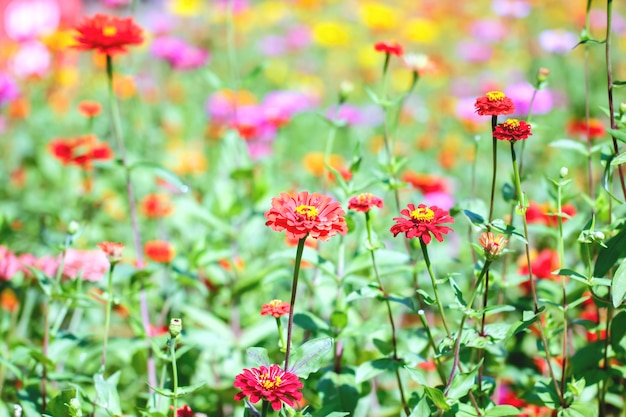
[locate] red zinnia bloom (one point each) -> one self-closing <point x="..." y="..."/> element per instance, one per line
<point x="154" y="206"/>
<point x="184" y="411"/>
<point x="494" y="103"/>
<point x="269" y="384"/>
<point x="306" y="214"/>
<point x="544" y="213"/>
<point x="159" y="251"/>
<point x="364" y="202"/>
<point x="80" y="151"/>
<point x="89" y="108"/>
<point x="422" y="222"/>
<point x="579" y="128"/>
<point x="391" y="48"/>
<point x="426" y="183"/>
<point x="512" y="130"/>
<point x="275" y="308"/>
<point x="112" y="250"/>
<point x="109" y="35"/>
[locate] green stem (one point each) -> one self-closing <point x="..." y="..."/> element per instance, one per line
<point x="265" y="408"/>
<point x="394" y="340"/>
<point x="457" y="345"/>
<point x="279" y="325"/>
<point x="292" y="303"/>
<point x="431" y="342"/>
<point x="494" y="163"/>
<point x="561" y="250"/>
<point x="107" y="317"/>
<point x="433" y="280"/>
<point x="172" y="343"/>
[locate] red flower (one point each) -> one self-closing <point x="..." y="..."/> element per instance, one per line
<point x="184" y="411"/>
<point x="512" y="130"/>
<point x="154" y="206"/>
<point x="159" y="251"/>
<point x="494" y="103"/>
<point x="579" y="128"/>
<point x="426" y="183"/>
<point x="364" y="202"/>
<point x="544" y="213"/>
<point x="109" y="35"/>
<point x="306" y="214"/>
<point x="89" y="108"/>
<point x="422" y="222"/>
<point x="275" y="308"/>
<point x="391" y="48"/>
<point x="80" y="151"/>
<point x="112" y="250"/>
<point x="269" y="384"/>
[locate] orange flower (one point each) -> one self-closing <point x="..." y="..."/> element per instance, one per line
<point x="108" y="35"/>
<point x="426" y="183"/>
<point x="579" y="128"/>
<point x="112" y="250"/>
<point x="89" y="108"/>
<point x="159" y="251"/>
<point x="10" y="303"/>
<point x="80" y="151"/>
<point x="154" y="206"/>
<point x="275" y="308"/>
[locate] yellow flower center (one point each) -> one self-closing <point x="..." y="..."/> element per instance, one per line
<point x="495" y="95"/>
<point x="276" y="303"/>
<point x="269" y="384"/>
<point x="364" y="197"/>
<point x="109" y="30"/>
<point x="423" y="214"/>
<point x="308" y="211"/>
<point x="512" y="123"/>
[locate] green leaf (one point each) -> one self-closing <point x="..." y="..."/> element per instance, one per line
<point x="462" y="383"/>
<point x="546" y="392"/>
<point x="457" y="292"/>
<point x="421" y="409"/>
<point x="619" y="135"/>
<point x="370" y="369"/>
<point x="618" y="160"/>
<point x="437" y="398"/>
<point x="339" y="319"/>
<point x="618" y="285"/>
<point x="607" y="176"/>
<point x="310" y="321"/>
<point x="163" y="173"/>
<point x="372" y="95"/>
<point x="619" y="84"/>
<point x="307" y="358"/>
<point x="607" y="256"/>
<point x="570" y="144"/>
<point x="180" y="392"/>
<point x="475" y="218"/>
<point x="108" y="397"/>
<point x="580" y="409"/>
<point x="502" y="410"/>
<point x="528" y="318"/>
<point x="618" y="331"/>
<point x="259" y="356"/>
<point x="212" y="79"/>
<point x="57" y="407"/>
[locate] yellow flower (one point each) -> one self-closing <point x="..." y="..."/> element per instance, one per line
<point x="378" y="16"/>
<point x="59" y="40"/>
<point x="313" y="162"/>
<point x="331" y="34"/>
<point x="367" y="57"/>
<point x="421" y="31"/>
<point x="277" y="71"/>
<point x="186" y="159"/>
<point x="184" y="7"/>
<point x="271" y="12"/>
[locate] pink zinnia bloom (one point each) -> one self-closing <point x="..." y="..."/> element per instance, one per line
<point x="421" y="222"/>
<point x="305" y="214"/>
<point x="272" y="384"/>
<point x="364" y="202"/>
<point x="275" y="308"/>
<point x="90" y="265"/>
<point x="9" y="264"/>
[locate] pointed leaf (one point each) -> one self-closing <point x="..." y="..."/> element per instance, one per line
<point x="370" y="369"/>
<point x="475" y="218"/>
<point x="108" y="397"/>
<point x="437" y="398"/>
<point x="619" y="135"/>
<point x="308" y="357"/>
<point x="607" y="256"/>
<point x="462" y="383"/>
<point x="618" y="285"/>
<point x="502" y="411"/>
<point x="259" y="356"/>
<point x="570" y="144"/>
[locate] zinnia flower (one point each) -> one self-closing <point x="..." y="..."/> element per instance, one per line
<point x="275" y="308"/>
<point x="269" y="384"/>
<point x="492" y="245"/>
<point x="184" y="411"/>
<point x="89" y="108"/>
<point x="305" y="214"/>
<point x="494" y="103"/>
<point x="112" y="250"/>
<point x="109" y="35"/>
<point x="159" y="251"/>
<point x="80" y="151"/>
<point x="154" y="206"/>
<point x="364" y="202"/>
<point x="512" y="130"/>
<point x="579" y="128"/>
<point x="391" y="48"/>
<point x="421" y="222"/>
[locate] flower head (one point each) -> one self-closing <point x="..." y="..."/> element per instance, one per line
<point x="494" y="103"/>
<point x="184" y="411"/>
<point x="81" y="151"/>
<point x="391" y="48"/>
<point x="112" y="250"/>
<point x="89" y="108"/>
<point x="275" y="308"/>
<point x="271" y="384"/>
<point x="159" y="251"/>
<point x="492" y="245"/>
<point x="364" y="202"/>
<point x="512" y="130"/>
<point x="154" y="206"/>
<point x="110" y="35"/>
<point x="305" y="214"/>
<point x="580" y="128"/>
<point x="421" y="222"/>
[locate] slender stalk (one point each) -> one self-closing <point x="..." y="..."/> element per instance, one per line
<point x="117" y="130"/>
<point x="292" y="302"/>
<point x="394" y="340"/>
<point x="561" y="250"/>
<point x="107" y="317"/>
<point x="590" y="183"/>
<point x="433" y="280"/>
<point x="265" y="408"/>
<point x="605" y="363"/>
<point x="494" y="163"/>
<point x="172" y="343"/>
<point x="457" y="345"/>
<point x="609" y="78"/>
<point x="279" y="325"/>
<point x="431" y="342"/>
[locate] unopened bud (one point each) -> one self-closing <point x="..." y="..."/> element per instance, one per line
<point x="73" y="227"/>
<point x="17" y="410"/>
<point x="176" y="326"/>
<point x="563" y="172"/>
<point x="542" y="75"/>
<point x="345" y="89"/>
<point x="622" y="108"/>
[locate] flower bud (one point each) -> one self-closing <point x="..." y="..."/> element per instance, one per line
<point x="622" y="108"/>
<point x="542" y="75"/>
<point x="73" y="227"/>
<point x="563" y="172"/>
<point x="345" y="89"/>
<point x="492" y="245"/>
<point x="176" y="326"/>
